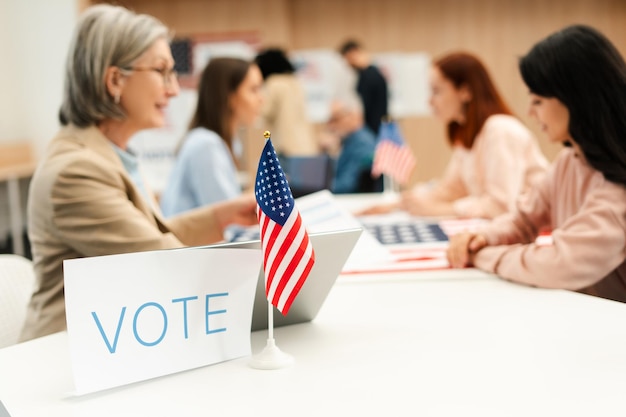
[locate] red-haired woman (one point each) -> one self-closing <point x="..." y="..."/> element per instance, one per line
<point x="494" y="156"/>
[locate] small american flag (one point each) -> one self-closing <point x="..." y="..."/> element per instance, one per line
<point x="288" y="255"/>
<point x="392" y="157"/>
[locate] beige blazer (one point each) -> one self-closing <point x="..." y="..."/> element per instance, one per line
<point x="83" y="203"/>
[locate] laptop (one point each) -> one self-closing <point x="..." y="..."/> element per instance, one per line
<point x="331" y="252"/>
<point x="308" y="174"/>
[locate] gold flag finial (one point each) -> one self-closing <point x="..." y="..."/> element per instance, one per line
<point x="266" y="134"/>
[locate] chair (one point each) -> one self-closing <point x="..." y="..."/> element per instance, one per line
<point x="17" y="279"/>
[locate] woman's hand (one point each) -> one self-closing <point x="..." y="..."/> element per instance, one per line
<point x="240" y="210"/>
<point x="423" y="204"/>
<point x="378" y="209"/>
<point x="463" y="247"/>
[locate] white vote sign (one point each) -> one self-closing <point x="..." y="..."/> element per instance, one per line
<point x="137" y="316"/>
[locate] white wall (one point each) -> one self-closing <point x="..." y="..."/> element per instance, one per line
<point x="34" y="37"/>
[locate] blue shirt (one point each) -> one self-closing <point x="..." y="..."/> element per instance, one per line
<point x="354" y="162"/>
<point x="131" y="165"/>
<point x="204" y="173"/>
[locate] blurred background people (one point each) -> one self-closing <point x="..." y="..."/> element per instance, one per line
<point x="87" y="197"/>
<point x="495" y="157"/>
<point x="284" y="110"/>
<point x="353" y="166"/>
<point x="205" y="171"/>
<point x="371" y="84"/>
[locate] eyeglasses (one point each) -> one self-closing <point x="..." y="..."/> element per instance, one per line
<point x="169" y="74"/>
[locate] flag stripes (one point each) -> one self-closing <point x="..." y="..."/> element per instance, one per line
<point x="288" y="255"/>
<point x="392" y="157"/>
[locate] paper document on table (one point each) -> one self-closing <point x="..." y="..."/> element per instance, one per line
<point x="415" y="243"/>
<point x="320" y="213"/>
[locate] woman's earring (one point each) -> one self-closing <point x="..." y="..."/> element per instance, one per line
<point x="116" y="98"/>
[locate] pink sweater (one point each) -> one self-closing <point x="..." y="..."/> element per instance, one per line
<point x="587" y="216"/>
<point x="486" y="180"/>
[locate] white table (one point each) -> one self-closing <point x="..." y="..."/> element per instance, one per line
<point x="419" y="344"/>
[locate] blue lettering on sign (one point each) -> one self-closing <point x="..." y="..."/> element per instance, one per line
<point x="208" y="313"/>
<point x="211" y="313"/>
<point x="184" y="300"/>
<point x="117" y="332"/>
<point x="156" y="342"/>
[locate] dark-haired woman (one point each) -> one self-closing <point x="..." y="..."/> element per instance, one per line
<point x="495" y="158"/>
<point x="577" y="83"/>
<point x="229" y="96"/>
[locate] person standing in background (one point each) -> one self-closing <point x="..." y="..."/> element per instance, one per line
<point x="205" y="172"/>
<point x="87" y="196"/>
<point x="284" y="110"/>
<point x="371" y="84"/>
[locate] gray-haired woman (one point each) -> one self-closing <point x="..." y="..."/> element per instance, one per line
<point x="87" y="197"/>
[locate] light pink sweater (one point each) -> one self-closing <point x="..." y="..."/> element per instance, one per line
<point x="587" y="216"/>
<point x="486" y="180"/>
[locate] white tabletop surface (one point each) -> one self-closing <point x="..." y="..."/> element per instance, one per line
<point x="427" y="344"/>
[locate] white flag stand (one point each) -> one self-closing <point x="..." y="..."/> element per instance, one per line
<point x="389" y="185"/>
<point x="271" y="357"/>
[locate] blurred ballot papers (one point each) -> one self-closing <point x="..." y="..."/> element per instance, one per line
<point x="137" y="316"/>
<point x="322" y="213"/>
<point x="392" y="242"/>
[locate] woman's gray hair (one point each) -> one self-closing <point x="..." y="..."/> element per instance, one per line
<point x="105" y="36"/>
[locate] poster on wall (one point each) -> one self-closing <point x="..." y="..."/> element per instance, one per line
<point x="325" y="76"/>
<point x="407" y="78"/>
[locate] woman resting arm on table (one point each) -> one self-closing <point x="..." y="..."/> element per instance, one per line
<point x="577" y="83"/>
